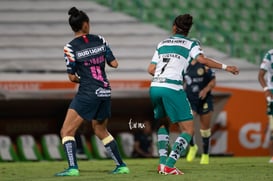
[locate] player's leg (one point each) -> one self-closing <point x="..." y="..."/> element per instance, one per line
<point x="270" y="127"/>
<point x="179" y="111"/>
<point x="162" y="143"/>
<point x="205" y="131"/>
<point x="100" y="129"/>
<point x="156" y="95"/>
<point x="270" y="117"/>
<point x="70" y="125"/>
<point x="99" y="125"/>
<point x="179" y="147"/>
<point x="271" y="149"/>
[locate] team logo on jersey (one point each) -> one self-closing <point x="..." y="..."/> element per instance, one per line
<point x="188" y="80"/>
<point x="90" y="51"/>
<point x="101" y="92"/>
<point x="200" y="71"/>
<point x="68" y="54"/>
<point x="205" y="106"/>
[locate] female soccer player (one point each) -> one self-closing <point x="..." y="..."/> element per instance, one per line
<point x="85" y="58"/>
<point x="167" y="67"/>
<point x="199" y="81"/>
<point x="265" y="79"/>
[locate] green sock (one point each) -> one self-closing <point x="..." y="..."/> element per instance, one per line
<point x="162" y="144"/>
<point x="180" y="146"/>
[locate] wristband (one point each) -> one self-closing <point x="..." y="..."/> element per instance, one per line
<point x="224" y="66"/>
<point x="266" y="88"/>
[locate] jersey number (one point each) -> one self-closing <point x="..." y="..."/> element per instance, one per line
<point x="96" y="72"/>
<point x="165" y="60"/>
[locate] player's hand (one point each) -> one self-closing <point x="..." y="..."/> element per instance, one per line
<point x="203" y="93"/>
<point x="233" y="69"/>
<point x="268" y="95"/>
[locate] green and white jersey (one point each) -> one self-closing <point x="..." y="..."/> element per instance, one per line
<point x="267" y="65"/>
<point x="172" y="58"/>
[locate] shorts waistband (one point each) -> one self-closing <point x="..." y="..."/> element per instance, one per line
<point x="165" y="80"/>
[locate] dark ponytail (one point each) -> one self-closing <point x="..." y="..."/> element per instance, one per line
<point x="183" y="24"/>
<point x="77" y="18"/>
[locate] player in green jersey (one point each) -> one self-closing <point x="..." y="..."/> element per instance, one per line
<point x="267" y="85"/>
<point x="169" y="63"/>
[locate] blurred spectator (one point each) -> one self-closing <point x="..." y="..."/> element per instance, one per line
<point x="143" y="141"/>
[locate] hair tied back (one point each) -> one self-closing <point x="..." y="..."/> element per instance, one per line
<point x="73" y="11"/>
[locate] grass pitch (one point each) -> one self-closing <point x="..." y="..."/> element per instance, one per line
<point x="219" y="169"/>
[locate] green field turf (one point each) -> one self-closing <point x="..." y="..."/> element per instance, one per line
<point x="219" y="169"/>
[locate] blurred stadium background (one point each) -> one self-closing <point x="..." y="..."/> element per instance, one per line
<point x="240" y="28"/>
<point x="35" y="92"/>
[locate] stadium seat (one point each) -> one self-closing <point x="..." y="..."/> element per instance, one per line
<point x="214" y="4"/>
<point x="7" y="151"/>
<point x="52" y="147"/>
<point x="128" y="7"/>
<point x="125" y="142"/>
<point x="28" y="149"/>
<point x="98" y="148"/>
<point x="214" y="15"/>
<point x="152" y="4"/>
<point x="210" y="38"/>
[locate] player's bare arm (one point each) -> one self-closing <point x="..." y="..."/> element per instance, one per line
<point x="113" y="64"/>
<point x="74" y="78"/>
<point x="209" y="87"/>
<point x="151" y="69"/>
<point x="262" y="82"/>
<point x="215" y="64"/>
<point x="261" y="79"/>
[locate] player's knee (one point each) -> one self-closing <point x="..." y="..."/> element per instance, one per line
<point x="100" y="131"/>
<point x="98" y="128"/>
<point x="67" y="132"/>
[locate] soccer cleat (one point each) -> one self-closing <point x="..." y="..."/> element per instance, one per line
<point x="69" y="172"/>
<point x="121" y="170"/>
<point x="271" y="160"/>
<point x="172" y="171"/>
<point x="192" y="153"/>
<point x="204" y="159"/>
<point x="160" y="169"/>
